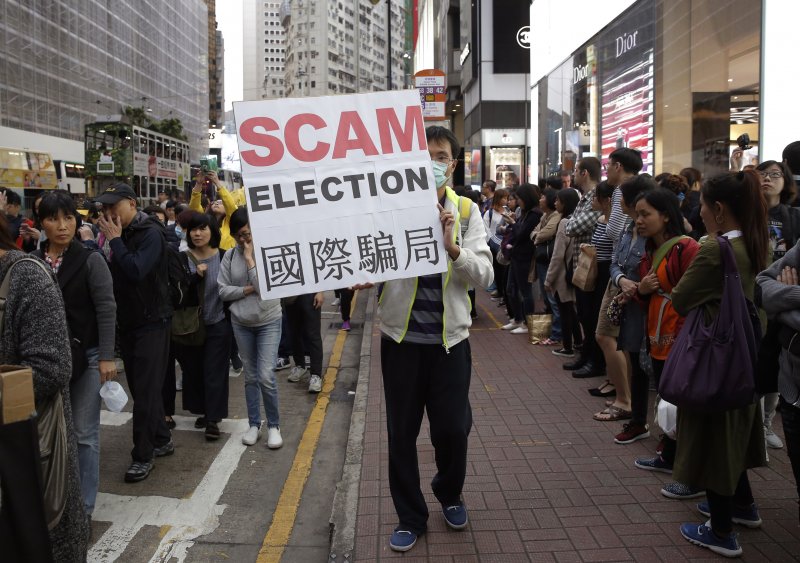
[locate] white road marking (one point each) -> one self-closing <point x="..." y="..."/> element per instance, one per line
<point x="187" y="518"/>
<point x="108" y="418"/>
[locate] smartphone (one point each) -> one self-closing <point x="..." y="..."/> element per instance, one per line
<point x="209" y="163"/>
<point x="505" y="208"/>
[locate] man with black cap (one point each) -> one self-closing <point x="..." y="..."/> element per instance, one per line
<point x="144" y="312"/>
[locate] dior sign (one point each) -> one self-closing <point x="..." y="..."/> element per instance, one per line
<point x="626" y="42"/>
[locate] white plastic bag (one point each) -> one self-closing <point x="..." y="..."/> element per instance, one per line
<point x="667" y="418"/>
<point x="114" y="396"/>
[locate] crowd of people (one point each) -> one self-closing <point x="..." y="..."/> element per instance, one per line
<point x="169" y="284"/>
<point x="655" y="256"/>
<point x="177" y="283"/>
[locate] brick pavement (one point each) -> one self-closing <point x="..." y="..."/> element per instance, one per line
<point x="545" y="482"/>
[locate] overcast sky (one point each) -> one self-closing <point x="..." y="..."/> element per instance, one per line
<point x="229" y="21"/>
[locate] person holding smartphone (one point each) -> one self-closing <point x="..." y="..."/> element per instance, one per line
<point x="221" y="207"/>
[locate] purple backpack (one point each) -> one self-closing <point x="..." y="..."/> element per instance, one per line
<point x="712" y="368"/>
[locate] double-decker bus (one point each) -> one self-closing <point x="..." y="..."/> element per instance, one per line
<point x="27" y="173"/>
<point x="148" y="161"/>
<point x="70" y="176"/>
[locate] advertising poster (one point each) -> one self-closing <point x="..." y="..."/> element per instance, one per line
<point x="627" y="65"/>
<point x="340" y="191"/>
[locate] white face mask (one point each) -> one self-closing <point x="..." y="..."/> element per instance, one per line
<point x="440" y="173"/>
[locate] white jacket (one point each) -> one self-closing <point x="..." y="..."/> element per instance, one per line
<point x="472" y="268"/>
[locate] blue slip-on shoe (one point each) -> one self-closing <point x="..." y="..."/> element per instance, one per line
<point x="700" y="534"/>
<point x="402" y="540"/>
<point x="747" y="517"/>
<point x="653" y="464"/>
<point x="455" y="515"/>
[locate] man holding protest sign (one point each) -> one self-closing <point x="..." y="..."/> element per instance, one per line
<point x="426" y="359"/>
<point x="342" y="193"/>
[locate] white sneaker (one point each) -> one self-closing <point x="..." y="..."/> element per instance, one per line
<point x="296" y="374"/>
<point x="252" y="435"/>
<point x="773" y="440"/>
<point x="512" y="325"/>
<point x="315" y="384"/>
<point x="274" y="440"/>
<point x="520" y="330"/>
<point x="336" y="302"/>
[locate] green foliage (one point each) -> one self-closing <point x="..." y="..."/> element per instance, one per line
<point x="172" y="126"/>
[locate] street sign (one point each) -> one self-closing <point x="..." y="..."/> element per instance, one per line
<point x="432" y="86"/>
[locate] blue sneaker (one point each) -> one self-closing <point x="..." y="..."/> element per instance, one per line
<point x="747" y="517"/>
<point x="455" y="515"/>
<point x="492" y="287"/>
<point x="700" y="534"/>
<point x="402" y="540"/>
<point x="653" y="464"/>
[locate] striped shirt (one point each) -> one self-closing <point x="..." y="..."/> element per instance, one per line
<point x="602" y="243"/>
<point x="426" y="323"/>
<point x="617" y="220"/>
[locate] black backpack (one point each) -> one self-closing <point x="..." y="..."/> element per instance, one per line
<point x="177" y="276"/>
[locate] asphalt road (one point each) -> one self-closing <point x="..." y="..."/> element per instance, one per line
<point x="223" y="501"/>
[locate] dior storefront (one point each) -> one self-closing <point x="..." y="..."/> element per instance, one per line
<point x="679" y="80"/>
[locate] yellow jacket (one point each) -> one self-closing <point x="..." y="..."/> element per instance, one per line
<point x="227" y="241"/>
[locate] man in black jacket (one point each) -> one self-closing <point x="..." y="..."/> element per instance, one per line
<point x="144" y="312"/>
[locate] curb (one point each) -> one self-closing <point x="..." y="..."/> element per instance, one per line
<point x="345" y="500"/>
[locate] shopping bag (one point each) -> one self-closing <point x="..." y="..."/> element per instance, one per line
<point x="667" y="418"/>
<point x="585" y="274"/>
<point x="539" y="327"/>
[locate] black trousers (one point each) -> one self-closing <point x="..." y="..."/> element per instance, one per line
<point x="588" y="303"/>
<point x="145" y="352"/>
<point x="640" y="390"/>
<point x="570" y="331"/>
<point x="304" y="326"/>
<point x="168" y="389"/>
<point x="419" y="378"/>
<point x="205" y="373"/>
<point x="790" y="415"/>
<point x="346" y="295"/>
<point x="670" y="445"/>
<point x="721" y="506"/>
<point x="285" y="346"/>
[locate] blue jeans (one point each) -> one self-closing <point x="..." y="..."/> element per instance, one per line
<point x="84" y="396"/>
<point x="258" y="348"/>
<point x="541" y="274"/>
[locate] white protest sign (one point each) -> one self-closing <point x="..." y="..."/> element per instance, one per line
<point x="340" y="191"/>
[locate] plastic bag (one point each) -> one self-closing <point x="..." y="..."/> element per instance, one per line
<point x="667" y="418"/>
<point x="114" y="396"/>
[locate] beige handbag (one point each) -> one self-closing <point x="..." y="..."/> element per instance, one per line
<point x="585" y="275"/>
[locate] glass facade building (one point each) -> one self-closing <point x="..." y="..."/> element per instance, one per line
<point x="678" y="80"/>
<point x="64" y="62"/>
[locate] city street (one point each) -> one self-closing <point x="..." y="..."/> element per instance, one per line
<point x="545" y="482"/>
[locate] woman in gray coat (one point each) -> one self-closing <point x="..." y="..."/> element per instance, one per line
<point x="35" y="335"/>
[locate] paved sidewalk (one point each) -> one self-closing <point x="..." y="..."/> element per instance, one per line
<point x="545" y="482"/>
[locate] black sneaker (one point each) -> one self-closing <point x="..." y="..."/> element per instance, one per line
<point x="200" y="422"/>
<point x="564" y="353"/>
<point x="165" y="450"/>
<point x="138" y="471"/>
<point x="212" y="431"/>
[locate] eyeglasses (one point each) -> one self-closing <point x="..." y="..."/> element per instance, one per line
<point x="444" y="159"/>
<point x="244" y="234"/>
<point x="774" y="175"/>
<point x="607" y="166"/>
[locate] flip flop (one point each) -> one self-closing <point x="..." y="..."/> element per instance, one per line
<point x="612" y="414"/>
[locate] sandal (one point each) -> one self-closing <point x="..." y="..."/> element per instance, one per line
<point x="607" y="389"/>
<point x="612" y="414"/>
<point x="551" y="342"/>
